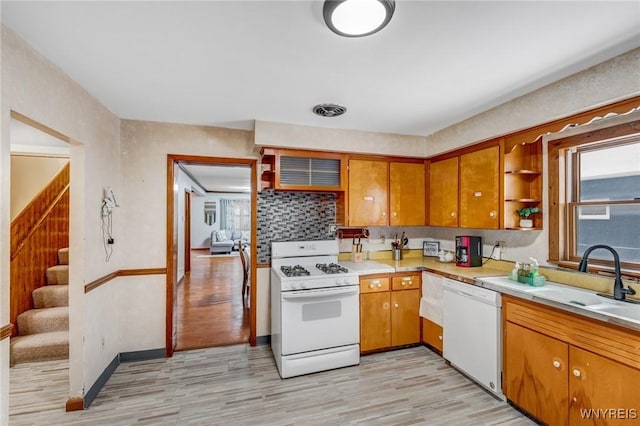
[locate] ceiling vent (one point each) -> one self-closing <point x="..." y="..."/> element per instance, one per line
<point x="329" y="110"/>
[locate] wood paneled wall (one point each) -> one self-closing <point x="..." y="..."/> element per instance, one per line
<point x="36" y="235"/>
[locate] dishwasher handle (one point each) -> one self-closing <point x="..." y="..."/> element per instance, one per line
<point x="470" y="291"/>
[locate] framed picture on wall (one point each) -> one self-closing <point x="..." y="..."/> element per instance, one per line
<point x="430" y="248"/>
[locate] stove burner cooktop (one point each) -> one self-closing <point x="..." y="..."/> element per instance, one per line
<point x="331" y="268"/>
<point x="294" y="271"/>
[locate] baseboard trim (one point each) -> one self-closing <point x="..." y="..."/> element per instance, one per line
<point x="101" y="381"/>
<point x="263" y="340"/>
<point x="75" y="403"/>
<point x="142" y="355"/>
<point x="111" y="368"/>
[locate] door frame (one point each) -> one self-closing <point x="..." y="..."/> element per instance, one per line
<point x="187" y="231"/>
<point x="171" y="242"/>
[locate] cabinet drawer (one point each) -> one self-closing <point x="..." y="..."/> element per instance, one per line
<point x="373" y="285"/>
<point x="406" y="282"/>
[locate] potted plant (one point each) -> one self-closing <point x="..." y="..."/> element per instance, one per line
<point x="524" y="214"/>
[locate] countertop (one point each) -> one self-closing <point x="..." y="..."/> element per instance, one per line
<point x="428" y="264"/>
<point x="474" y="276"/>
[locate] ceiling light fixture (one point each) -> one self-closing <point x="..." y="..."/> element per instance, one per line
<point x="357" y="18"/>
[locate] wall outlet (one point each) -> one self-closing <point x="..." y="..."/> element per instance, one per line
<point x="500" y="250"/>
<point x="496" y="254"/>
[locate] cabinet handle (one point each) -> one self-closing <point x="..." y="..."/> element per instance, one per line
<point x="556" y="364"/>
<point x="379" y="285"/>
<point x="395" y="306"/>
<point x="371" y="285"/>
<point x="394" y="214"/>
<point x="492" y="213"/>
<point x="384" y="214"/>
<point x="452" y="214"/>
<point x="440" y="337"/>
<point x="576" y="372"/>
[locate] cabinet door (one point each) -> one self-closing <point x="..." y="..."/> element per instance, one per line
<point x="405" y="318"/>
<point x="375" y="321"/>
<point x="368" y="193"/>
<point x="480" y="189"/>
<point x="432" y="334"/>
<point x="406" y="194"/>
<point x="601" y="390"/>
<point x="535" y="374"/>
<point x="443" y="193"/>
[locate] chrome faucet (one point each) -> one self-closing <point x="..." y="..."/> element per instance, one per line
<point x="619" y="292"/>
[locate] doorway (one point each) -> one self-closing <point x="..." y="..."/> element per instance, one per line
<point x="204" y="283"/>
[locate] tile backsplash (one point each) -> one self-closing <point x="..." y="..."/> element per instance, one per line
<point x="293" y="216"/>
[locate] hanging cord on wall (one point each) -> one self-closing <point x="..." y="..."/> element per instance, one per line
<point x="108" y="204"/>
<point x="496" y="245"/>
<point x="107" y="238"/>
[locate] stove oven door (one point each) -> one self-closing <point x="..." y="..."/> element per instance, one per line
<point x="320" y="319"/>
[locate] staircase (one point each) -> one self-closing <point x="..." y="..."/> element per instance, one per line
<point x="43" y="332"/>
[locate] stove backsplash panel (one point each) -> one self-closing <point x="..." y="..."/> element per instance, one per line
<point x="293" y="216"/>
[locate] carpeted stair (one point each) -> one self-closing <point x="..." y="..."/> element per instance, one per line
<point x="43" y="332"/>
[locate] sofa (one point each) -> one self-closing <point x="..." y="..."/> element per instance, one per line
<point x="226" y="241"/>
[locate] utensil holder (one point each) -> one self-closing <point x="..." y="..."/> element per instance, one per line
<point x="396" y="253"/>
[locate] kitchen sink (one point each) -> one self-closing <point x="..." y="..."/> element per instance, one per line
<point x="628" y="312"/>
<point x="585" y="300"/>
<point x="568" y="295"/>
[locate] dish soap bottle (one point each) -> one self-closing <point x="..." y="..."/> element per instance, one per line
<point x="513" y="276"/>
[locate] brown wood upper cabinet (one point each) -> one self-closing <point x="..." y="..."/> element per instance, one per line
<point x="407" y="194"/>
<point x="368" y="193"/>
<point x="443" y="192"/>
<point x="383" y="193"/>
<point x="464" y="190"/>
<point x="480" y="189"/>
<point x="300" y="170"/>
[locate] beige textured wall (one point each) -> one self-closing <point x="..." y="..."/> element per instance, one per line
<point x="610" y="81"/>
<point x="338" y="140"/>
<point x="34" y="87"/>
<point x="29" y="175"/>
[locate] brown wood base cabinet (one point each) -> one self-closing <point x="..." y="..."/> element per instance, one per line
<point x="389" y="311"/>
<point x="565" y="369"/>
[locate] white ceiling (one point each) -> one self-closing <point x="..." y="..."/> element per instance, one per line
<point x="226" y="63"/>
<point x="227" y="179"/>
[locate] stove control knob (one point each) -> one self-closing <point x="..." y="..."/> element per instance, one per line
<point x="294" y="285"/>
<point x="339" y="281"/>
<point x="303" y="285"/>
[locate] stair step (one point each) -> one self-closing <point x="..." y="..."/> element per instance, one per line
<point x="43" y="320"/>
<point x="58" y="275"/>
<point x="51" y="296"/>
<point x="63" y="256"/>
<point x="39" y="347"/>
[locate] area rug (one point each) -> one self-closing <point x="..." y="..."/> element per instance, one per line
<point x="233" y="254"/>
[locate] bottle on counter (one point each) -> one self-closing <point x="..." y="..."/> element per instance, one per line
<point x="514" y="272"/>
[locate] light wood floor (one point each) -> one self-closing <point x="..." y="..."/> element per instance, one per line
<point x="239" y="385"/>
<point x="210" y="307"/>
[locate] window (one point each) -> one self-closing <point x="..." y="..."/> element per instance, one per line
<point x="595" y="190"/>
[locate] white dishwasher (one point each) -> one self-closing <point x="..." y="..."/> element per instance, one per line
<point x="472" y="340"/>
